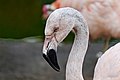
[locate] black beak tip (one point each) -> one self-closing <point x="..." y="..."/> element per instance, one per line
<point x="51" y="58"/>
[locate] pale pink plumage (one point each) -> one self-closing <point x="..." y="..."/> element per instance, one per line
<point x="103" y="16"/>
<point x="58" y="26"/>
<point x="108" y="65"/>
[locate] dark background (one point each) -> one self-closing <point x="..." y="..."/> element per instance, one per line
<point x="21" y="18"/>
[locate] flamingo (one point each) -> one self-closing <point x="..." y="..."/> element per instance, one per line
<point x="58" y="26"/>
<point x="103" y="17"/>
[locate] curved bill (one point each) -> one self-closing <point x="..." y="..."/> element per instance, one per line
<point x="51" y="58"/>
<point x="49" y="54"/>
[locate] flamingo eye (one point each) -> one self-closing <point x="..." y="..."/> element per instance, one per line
<point x="56" y="29"/>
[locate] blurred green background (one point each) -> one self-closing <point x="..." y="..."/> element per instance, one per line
<point x="21" y="18"/>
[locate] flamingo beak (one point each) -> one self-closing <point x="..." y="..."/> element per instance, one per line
<point x="49" y="53"/>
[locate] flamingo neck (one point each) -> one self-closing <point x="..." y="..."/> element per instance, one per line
<point x="76" y="57"/>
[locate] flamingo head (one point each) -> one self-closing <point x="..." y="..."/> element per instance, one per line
<point x="54" y="34"/>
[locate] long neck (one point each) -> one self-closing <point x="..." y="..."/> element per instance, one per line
<point x="76" y="57"/>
